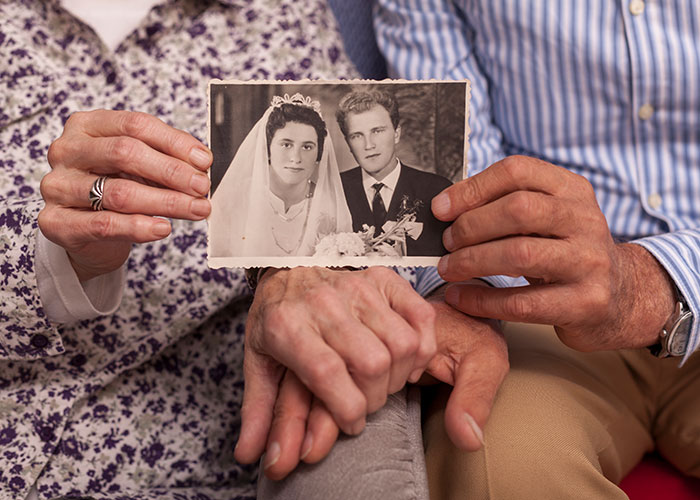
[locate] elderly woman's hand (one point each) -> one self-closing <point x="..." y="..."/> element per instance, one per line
<point x="152" y="170"/>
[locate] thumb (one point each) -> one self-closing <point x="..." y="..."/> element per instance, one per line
<point x="477" y="379"/>
<point x="262" y="377"/>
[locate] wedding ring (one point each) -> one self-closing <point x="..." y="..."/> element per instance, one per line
<point x="96" y="193"/>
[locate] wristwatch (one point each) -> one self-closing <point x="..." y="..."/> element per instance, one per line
<point x="673" y="339"/>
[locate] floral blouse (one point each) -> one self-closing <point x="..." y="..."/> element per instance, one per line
<point x="143" y="403"/>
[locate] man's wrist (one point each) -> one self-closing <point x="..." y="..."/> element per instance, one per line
<point x="651" y="296"/>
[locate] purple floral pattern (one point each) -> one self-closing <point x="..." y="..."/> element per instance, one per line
<point x="142" y="404"/>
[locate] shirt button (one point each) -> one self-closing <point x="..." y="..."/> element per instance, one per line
<point x="654" y="200"/>
<point x="636" y="7"/>
<point x="645" y="112"/>
<point x="39" y="341"/>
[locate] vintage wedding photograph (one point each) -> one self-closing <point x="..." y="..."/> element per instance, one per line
<point x="332" y="173"/>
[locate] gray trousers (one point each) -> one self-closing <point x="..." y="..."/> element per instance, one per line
<point x="385" y="462"/>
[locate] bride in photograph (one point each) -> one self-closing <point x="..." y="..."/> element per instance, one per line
<point x="282" y="192"/>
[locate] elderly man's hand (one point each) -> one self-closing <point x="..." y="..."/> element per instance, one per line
<point x="527" y="217"/>
<point x="152" y="169"/>
<point x="350" y="337"/>
<point x="472" y="356"/>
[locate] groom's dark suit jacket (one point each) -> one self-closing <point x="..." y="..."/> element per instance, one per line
<point x="415" y="184"/>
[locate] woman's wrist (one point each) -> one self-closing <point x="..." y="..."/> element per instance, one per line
<point x="254" y="275"/>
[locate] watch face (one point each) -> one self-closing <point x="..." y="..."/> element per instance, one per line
<point x="678" y="337"/>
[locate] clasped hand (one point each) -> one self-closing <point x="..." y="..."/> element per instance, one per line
<point x="326" y="346"/>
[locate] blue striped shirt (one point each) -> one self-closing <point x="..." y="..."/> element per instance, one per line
<point x="606" y="88"/>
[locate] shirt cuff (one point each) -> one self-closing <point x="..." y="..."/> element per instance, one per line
<point x="677" y="252"/>
<point x="427" y="280"/>
<point x="65" y="299"/>
<point x="505" y="281"/>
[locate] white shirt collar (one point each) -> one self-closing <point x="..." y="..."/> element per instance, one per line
<point x="389" y="182"/>
<point x="278" y="206"/>
<point x="112" y="21"/>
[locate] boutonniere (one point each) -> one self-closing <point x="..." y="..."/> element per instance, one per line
<point x="391" y="242"/>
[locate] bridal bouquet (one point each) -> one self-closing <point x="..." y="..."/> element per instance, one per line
<point x="390" y="243"/>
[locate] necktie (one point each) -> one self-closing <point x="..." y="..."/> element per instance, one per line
<point x="378" y="209"/>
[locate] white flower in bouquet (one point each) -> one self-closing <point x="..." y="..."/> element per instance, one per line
<point x="350" y="244"/>
<point x="341" y="244"/>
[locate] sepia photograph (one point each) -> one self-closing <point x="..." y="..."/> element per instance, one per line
<point x="335" y="173"/>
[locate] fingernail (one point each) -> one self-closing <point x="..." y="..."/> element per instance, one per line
<point x="441" y="205"/>
<point x="200" y="207"/>
<point x="272" y="455"/>
<point x="452" y="295"/>
<point x="475" y="427"/>
<point x="200" y="183"/>
<point x="358" y="428"/>
<point x="306" y="445"/>
<point x="442" y="264"/>
<point x="415" y="376"/>
<point x="161" y="228"/>
<point x="200" y="158"/>
<point x="447" y="239"/>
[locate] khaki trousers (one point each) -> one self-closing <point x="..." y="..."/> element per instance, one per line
<point x="570" y="425"/>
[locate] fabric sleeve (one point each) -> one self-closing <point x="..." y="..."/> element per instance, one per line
<point x="355" y="24"/>
<point x="427" y="280"/>
<point x="66" y="300"/>
<point x="25" y="330"/>
<point x="431" y="39"/>
<point x="679" y="253"/>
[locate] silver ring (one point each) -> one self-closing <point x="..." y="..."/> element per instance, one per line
<point x="96" y="193"/>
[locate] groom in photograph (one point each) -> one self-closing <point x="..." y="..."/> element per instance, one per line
<point x="382" y="185"/>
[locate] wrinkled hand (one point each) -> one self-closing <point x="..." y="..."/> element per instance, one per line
<point x="526" y="217"/>
<point x="153" y="169"/>
<point x="350" y="337"/>
<point x="472" y="356"/>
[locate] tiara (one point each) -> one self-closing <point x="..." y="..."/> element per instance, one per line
<point x="298" y="100"/>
